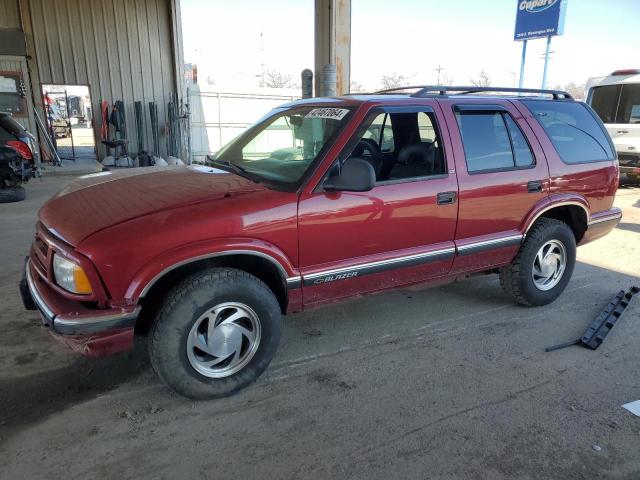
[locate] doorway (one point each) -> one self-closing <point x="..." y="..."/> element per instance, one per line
<point x="69" y="121"/>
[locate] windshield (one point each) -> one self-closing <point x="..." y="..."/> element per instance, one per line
<point x="281" y="148"/>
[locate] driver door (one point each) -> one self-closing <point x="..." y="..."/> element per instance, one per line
<point x="398" y="233"/>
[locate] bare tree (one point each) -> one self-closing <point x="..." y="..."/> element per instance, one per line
<point x="394" y="80"/>
<point x="482" y="80"/>
<point x="275" y="79"/>
<point x="573" y="89"/>
<point x="210" y="81"/>
<point x="446" y="80"/>
<point x="355" y="87"/>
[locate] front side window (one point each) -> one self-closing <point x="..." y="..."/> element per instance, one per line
<point x="492" y="141"/>
<point x="281" y="148"/>
<point x="574" y="131"/>
<point x="402" y="146"/>
<point x="381" y="132"/>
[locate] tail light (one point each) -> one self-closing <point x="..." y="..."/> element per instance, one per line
<point x="22" y="148"/>
<point x="626" y="71"/>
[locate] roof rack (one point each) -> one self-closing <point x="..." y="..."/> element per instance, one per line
<point x="425" y="90"/>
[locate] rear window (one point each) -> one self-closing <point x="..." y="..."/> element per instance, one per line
<point x="617" y="103"/>
<point x="604" y="101"/>
<point x="629" y="105"/>
<point x="574" y="131"/>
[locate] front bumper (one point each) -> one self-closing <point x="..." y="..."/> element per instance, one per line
<point x="89" y="331"/>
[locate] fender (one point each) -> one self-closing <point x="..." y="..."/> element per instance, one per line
<point x="153" y="270"/>
<point x="551" y="202"/>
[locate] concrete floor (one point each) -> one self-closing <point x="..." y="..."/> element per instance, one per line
<point x="451" y="382"/>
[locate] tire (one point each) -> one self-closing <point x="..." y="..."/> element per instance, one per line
<point x="181" y="343"/>
<point x="12" y="194"/>
<point x="522" y="283"/>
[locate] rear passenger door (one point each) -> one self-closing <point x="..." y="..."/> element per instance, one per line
<point x="502" y="174"/>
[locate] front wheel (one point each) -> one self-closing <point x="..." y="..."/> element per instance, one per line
<point x="543" y="266"/>
<point x="215" y="334"/>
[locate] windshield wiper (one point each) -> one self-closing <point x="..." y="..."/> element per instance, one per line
<point x="237" y="169"/>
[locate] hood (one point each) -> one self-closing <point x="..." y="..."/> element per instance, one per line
<point x="94" y="202"/>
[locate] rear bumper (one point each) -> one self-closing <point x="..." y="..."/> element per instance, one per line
<point x="88" y="331"/>
<point x="601" y="223"/>
<point x="631" y="170"/>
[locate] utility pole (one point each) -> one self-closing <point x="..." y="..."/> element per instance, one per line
<point x="546" y="63"/>
<point x="438" y="69"/>
<point x="262" y="59"/>
<point x="524" y="57"/>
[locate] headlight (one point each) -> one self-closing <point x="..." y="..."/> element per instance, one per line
<point x="70" y="276"/>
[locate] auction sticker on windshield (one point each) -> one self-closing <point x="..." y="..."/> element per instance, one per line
<point x="331" y="113"/>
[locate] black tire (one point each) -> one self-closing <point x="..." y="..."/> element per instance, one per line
<point x="516" y="279"/>
<point x="185" y="304"/>
<point x="12" y="194"/>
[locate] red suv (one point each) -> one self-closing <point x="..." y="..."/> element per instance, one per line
<point x="321" y="200"/>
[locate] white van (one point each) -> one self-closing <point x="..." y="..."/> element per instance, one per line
<point x="616" y="99"/>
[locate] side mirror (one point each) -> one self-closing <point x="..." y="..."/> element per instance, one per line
<point x="357" y="175"/>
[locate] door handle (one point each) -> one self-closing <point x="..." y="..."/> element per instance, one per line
<point x="534" y="186"/>
<point x="622" y="132"/>
<point x="446" y="198"/>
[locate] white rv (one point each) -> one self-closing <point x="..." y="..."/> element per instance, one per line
<point x="616" y="99"/>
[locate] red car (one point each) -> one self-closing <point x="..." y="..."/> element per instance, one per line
<point x="321" y="200"/>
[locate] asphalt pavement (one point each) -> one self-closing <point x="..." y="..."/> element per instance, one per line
<point x="451" y="382"/>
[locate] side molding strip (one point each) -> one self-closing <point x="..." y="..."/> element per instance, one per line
<point x="478" y="247"/>
<point x="377" y="267"/>
<point x="608" y="218"/>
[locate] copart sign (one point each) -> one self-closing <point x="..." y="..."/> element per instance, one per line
<point x="539" y="18"/>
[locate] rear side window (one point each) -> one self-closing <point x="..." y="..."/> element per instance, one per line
<point x="492" y="141"/>
<point x="574" y="131"/>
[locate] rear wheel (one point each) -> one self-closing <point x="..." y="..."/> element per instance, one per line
<point x="12" y="194"/>
<point x="543" y="266"/>
<point x="215" y="334"/>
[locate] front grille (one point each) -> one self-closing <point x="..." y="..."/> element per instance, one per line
<point x="41" y="254"/>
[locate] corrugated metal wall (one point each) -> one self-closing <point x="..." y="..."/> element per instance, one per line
<point x="122" y="49"/>
<point x="9" y="14"/>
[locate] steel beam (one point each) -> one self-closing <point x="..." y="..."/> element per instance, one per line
<point x="333" y="41"/>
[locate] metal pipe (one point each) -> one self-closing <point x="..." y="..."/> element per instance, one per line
<point x="328" y="80"/>
<point x="524" y="56"/>
<point x="546" y="62"/>
<point x="307" y="83"/>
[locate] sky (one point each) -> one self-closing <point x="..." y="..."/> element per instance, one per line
<point x="231" y="40"/>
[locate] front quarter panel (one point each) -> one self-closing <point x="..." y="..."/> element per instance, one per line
<point x="132" y="253"/>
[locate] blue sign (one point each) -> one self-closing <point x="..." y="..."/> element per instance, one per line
<point x="539" y="18"/>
